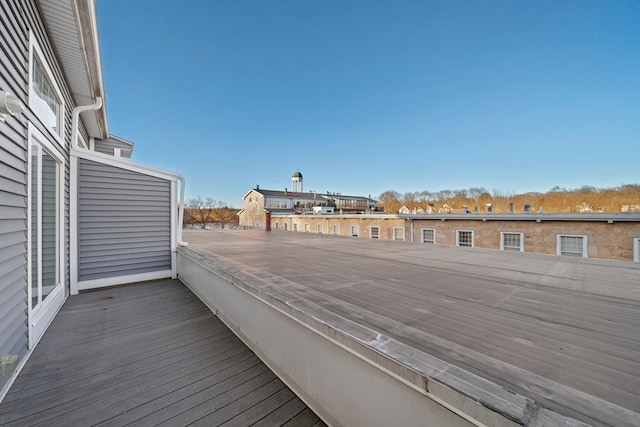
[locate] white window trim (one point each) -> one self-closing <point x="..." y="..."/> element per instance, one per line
<point x="396" y="237"/>
<point x="371" y="232"/>
<point x="319" y="229"/>
<point x="34" y="49"/>
<point x="357" y="231"/>
<point x="559" y="246"/>
<point x="422" y="235"/>
<point x="38" y="323"/>
<point x="502" y="233"/>
<point x="473" y="238"/>
<point x="335" y="229"/>
<point x="636" y="249"/>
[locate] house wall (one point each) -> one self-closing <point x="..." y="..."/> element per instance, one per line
<point x="253" y="214"/>
<point x="107" y="147"/>
<point x="124" y="225"/>
<point x="604" y="240"/>
<point x="17" y="19"/>
<point x="344" y="223"/>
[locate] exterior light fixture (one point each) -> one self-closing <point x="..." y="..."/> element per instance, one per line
<point x="9" y="104"/>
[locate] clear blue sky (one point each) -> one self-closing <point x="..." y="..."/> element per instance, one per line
<point x="368" y="96"/>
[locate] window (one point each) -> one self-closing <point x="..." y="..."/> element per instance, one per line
<point x="306" y="228"/>
<point x="284" y="226"/>
<point x="277" y="225"/>
<point x="571" y="245"/>
<point x="636" y="249"/>
<point x="464" y="238"/>
<point x="319" y="228"/>
<point x="375" y="232"/>
<point x="428" y="235"/>
<point x="45" y="98"/>
<point x="46" y="219"/>
<point x="398" y="233"/>
<point x="336" y="229"/>
<point x="511" y="241"/>
<point x="354" y="231"/>
<point x="295" y="227"/>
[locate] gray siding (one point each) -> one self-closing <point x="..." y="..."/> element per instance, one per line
<point x="124" y="222"/>
<point x="107" y="146"/>
<point x="17" y="18"/>
<point x="13" y="190"/>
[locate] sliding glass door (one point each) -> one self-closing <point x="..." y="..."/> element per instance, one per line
<point x="46" y="293"/>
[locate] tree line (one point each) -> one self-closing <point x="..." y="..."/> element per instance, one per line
<point x="625" y="198"/>
<point x="204" y="212"/>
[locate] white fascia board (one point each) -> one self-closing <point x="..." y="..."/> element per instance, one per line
<point x="126" y="164"/>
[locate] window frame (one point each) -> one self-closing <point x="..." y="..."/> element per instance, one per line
<point x="396" y="233"/>
<point x="458" y="238"/>
<point x="335" y="229"/>
<point x="502" y="245"/>
<point x="371" y="234"/>
<point x="36" y="54"/>
<point x="422" y="238"/>
<point x="355" y="228"/>
<point x="559" y="251"/>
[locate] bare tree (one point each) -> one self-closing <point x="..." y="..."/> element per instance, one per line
<point x="201" y="211"/>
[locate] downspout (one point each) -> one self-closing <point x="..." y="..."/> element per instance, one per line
<point x="179" y="241"/>
<point x="75" y="118"/>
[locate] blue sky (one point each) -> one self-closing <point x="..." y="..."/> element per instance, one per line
<point x="368" y="96"/>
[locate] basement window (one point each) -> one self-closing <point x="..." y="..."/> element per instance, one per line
<point x="398" y="233"/>
<point x="355" y="232"/>
<point x="375" y="232"/>
<point x="428" y="235"/>
<point x="572" y="245"/>
<point x="464" y="238"/>
<point x="511" y="241"/>
<point x="336" y="229"/>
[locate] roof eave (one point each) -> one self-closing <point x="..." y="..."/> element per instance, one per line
<point x="72" y="27"/>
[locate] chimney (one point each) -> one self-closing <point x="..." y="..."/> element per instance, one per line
<point x="257" y="187"/>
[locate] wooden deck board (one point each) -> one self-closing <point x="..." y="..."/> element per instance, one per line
<point x="141" y="354"/>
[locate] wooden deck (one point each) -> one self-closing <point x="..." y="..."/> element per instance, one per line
<point x="147" y="354"/>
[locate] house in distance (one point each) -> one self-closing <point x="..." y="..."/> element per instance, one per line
<point x="259" y="204"/>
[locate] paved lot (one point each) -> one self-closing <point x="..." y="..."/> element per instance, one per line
<point x="562" y="331"/>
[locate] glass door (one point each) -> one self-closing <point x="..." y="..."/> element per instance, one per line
<point x="46" y="293"/>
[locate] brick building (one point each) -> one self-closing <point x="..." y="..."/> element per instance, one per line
<point x="613" y="236"/>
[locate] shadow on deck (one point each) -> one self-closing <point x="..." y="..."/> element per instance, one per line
<point x="147" y="354"/>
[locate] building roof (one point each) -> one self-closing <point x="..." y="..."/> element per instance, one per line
<point x="306" y="195"/>
<point x="517" y="333"/>
<point x="533" y="216"/>
<point x="296" y="174"/>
